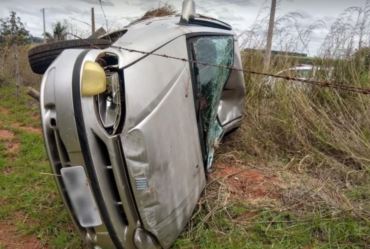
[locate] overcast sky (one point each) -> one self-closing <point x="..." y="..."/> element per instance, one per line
<point x="239" y="13"/>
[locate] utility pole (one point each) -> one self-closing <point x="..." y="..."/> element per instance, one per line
<point x="270" y="32"/>
<point x="44" y="25"/>
<point x="92" y="21"/>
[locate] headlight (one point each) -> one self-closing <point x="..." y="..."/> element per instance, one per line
<point x="93" y="79"/>
<point x="101" y="80"/>
<point x="109" y="103"/>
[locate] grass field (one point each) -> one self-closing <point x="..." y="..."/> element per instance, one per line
<point x="29" y="198"/>
<point x="252" y="200"/>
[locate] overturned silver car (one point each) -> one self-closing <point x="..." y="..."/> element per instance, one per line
<point x="130" y="135"/>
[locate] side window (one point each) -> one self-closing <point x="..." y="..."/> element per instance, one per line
<point x="212" y="55"/>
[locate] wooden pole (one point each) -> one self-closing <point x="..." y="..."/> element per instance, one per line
<point x="270" y="33"/>
<point x="44" y="24"/>
<point x="17" y="73"/>
<point x="92" y="21"/>
<point x="2" y="59"/>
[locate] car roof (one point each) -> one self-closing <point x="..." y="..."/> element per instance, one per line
<point x="150" y="34"/>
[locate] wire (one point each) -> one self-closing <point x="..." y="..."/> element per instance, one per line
<point x="77" y="20"/>
<point x="105" y="17"/>
<point x="327" y="84"/>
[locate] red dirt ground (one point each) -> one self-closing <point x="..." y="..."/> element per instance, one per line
<point x="8" y="139"/>
<point x="6" y="135"/>
<point x="4" y="111"/>
<point x="13" y="148"/>
<point x="247" y="184"/>
<point x="29" y="129"/>
<point x="10" y="239"/>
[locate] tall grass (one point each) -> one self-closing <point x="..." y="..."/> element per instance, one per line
<point x="322" y="132"/>
<point x="7" y="66"/>
<point x="317" y="142"/>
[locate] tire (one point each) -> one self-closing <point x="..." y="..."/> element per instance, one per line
<point x="41" y="56"/>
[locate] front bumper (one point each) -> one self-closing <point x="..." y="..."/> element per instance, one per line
<point x="83" y="141"/>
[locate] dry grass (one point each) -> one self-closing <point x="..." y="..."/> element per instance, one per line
<point x="313" y="145"/>
<point x="318" y="138"/>
<point x="165" y="10"/>
<point x="7" y="67"/>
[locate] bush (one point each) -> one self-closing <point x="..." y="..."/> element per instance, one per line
<point x="323" y="130"/>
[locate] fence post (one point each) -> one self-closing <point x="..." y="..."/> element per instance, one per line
<point x="17" y="73"/>
<point x="2" y="60"/>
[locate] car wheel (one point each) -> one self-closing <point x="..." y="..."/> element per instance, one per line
<point x="41" y="56"/>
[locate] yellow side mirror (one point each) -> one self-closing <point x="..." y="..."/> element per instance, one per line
<point x="93" y="79"/>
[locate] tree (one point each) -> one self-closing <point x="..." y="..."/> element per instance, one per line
<point x="13" y="31"/>
<point x="269" y="35"/>
<point x="59" y="33"/>
<point x="12" y="34"/>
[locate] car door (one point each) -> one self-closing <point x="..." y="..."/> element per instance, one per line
<point x="161" y="142"/>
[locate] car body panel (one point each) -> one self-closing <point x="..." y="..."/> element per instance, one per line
<point x="303" y="72"/>
<point x="231" y="106"/>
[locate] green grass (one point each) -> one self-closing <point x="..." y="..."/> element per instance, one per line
<point x="30" y="199"/>
<point x="24" y="110"/>
<point x="268" y="228"/>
